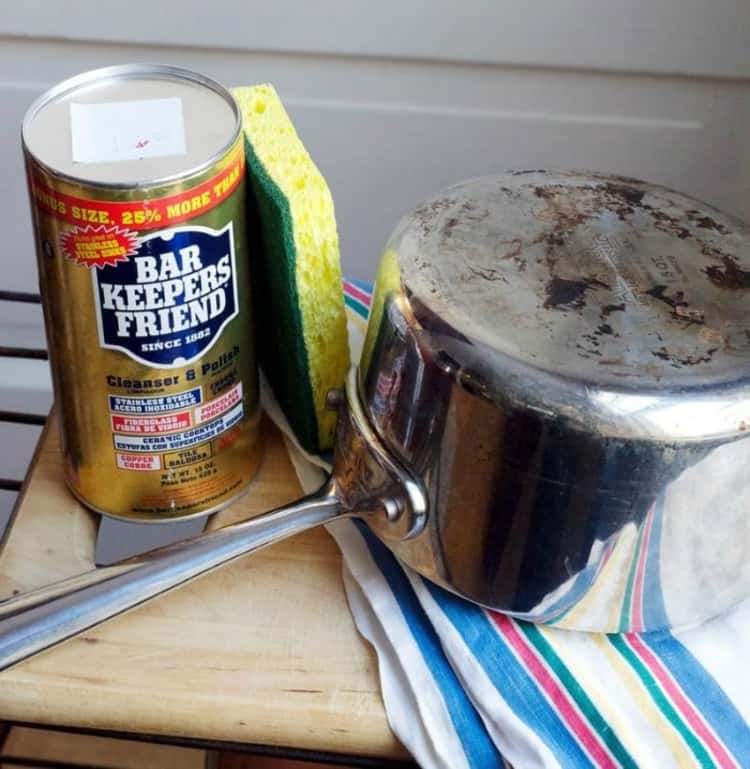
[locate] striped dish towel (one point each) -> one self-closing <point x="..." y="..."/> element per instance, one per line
<point x="467" y="688"/>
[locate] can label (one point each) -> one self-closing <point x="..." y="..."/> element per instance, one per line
<point x="146" y="302"/>
<point x="168" y="303"/>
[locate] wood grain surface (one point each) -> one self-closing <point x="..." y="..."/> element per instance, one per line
<point x="261" y="651"/>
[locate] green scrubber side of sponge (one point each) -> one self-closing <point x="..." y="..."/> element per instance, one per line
<point x="299" y="304"/>
<point x="281" y="344"/>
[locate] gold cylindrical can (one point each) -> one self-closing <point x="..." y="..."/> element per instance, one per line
<point x="137" y="189"/>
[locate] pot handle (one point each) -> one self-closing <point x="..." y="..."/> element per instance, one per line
<point x="367" y="481"/>
<point x="42" y="618"/>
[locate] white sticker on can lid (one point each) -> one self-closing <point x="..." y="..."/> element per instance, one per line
<point x="127" y="130"/>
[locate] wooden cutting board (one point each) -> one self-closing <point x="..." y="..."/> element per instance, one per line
<point x="261" y="651"/>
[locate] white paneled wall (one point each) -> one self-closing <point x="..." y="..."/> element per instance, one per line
<point x="397" y="99"/>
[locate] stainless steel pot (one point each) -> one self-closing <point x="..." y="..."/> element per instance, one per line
<point x="550" y="417"/>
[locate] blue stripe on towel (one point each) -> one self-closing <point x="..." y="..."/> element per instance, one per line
<point x="479" y="749"/>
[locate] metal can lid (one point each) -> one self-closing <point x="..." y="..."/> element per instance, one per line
<point x="600" y="279"/>
<point x="131" y="126"/>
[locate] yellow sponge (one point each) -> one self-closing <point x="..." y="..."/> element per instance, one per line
<point x="296" y="270"/>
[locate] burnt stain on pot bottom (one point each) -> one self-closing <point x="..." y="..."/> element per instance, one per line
<point x="680" y="307"/>
<point x="630" y="193"/>
<point x="686" y="360"/>
<point x="563" y="294"/>
<point x="729" y="276"/>
<point x="567" y="218"/>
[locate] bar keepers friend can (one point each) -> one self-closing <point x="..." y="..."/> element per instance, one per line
<point x="136" y="179"/>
